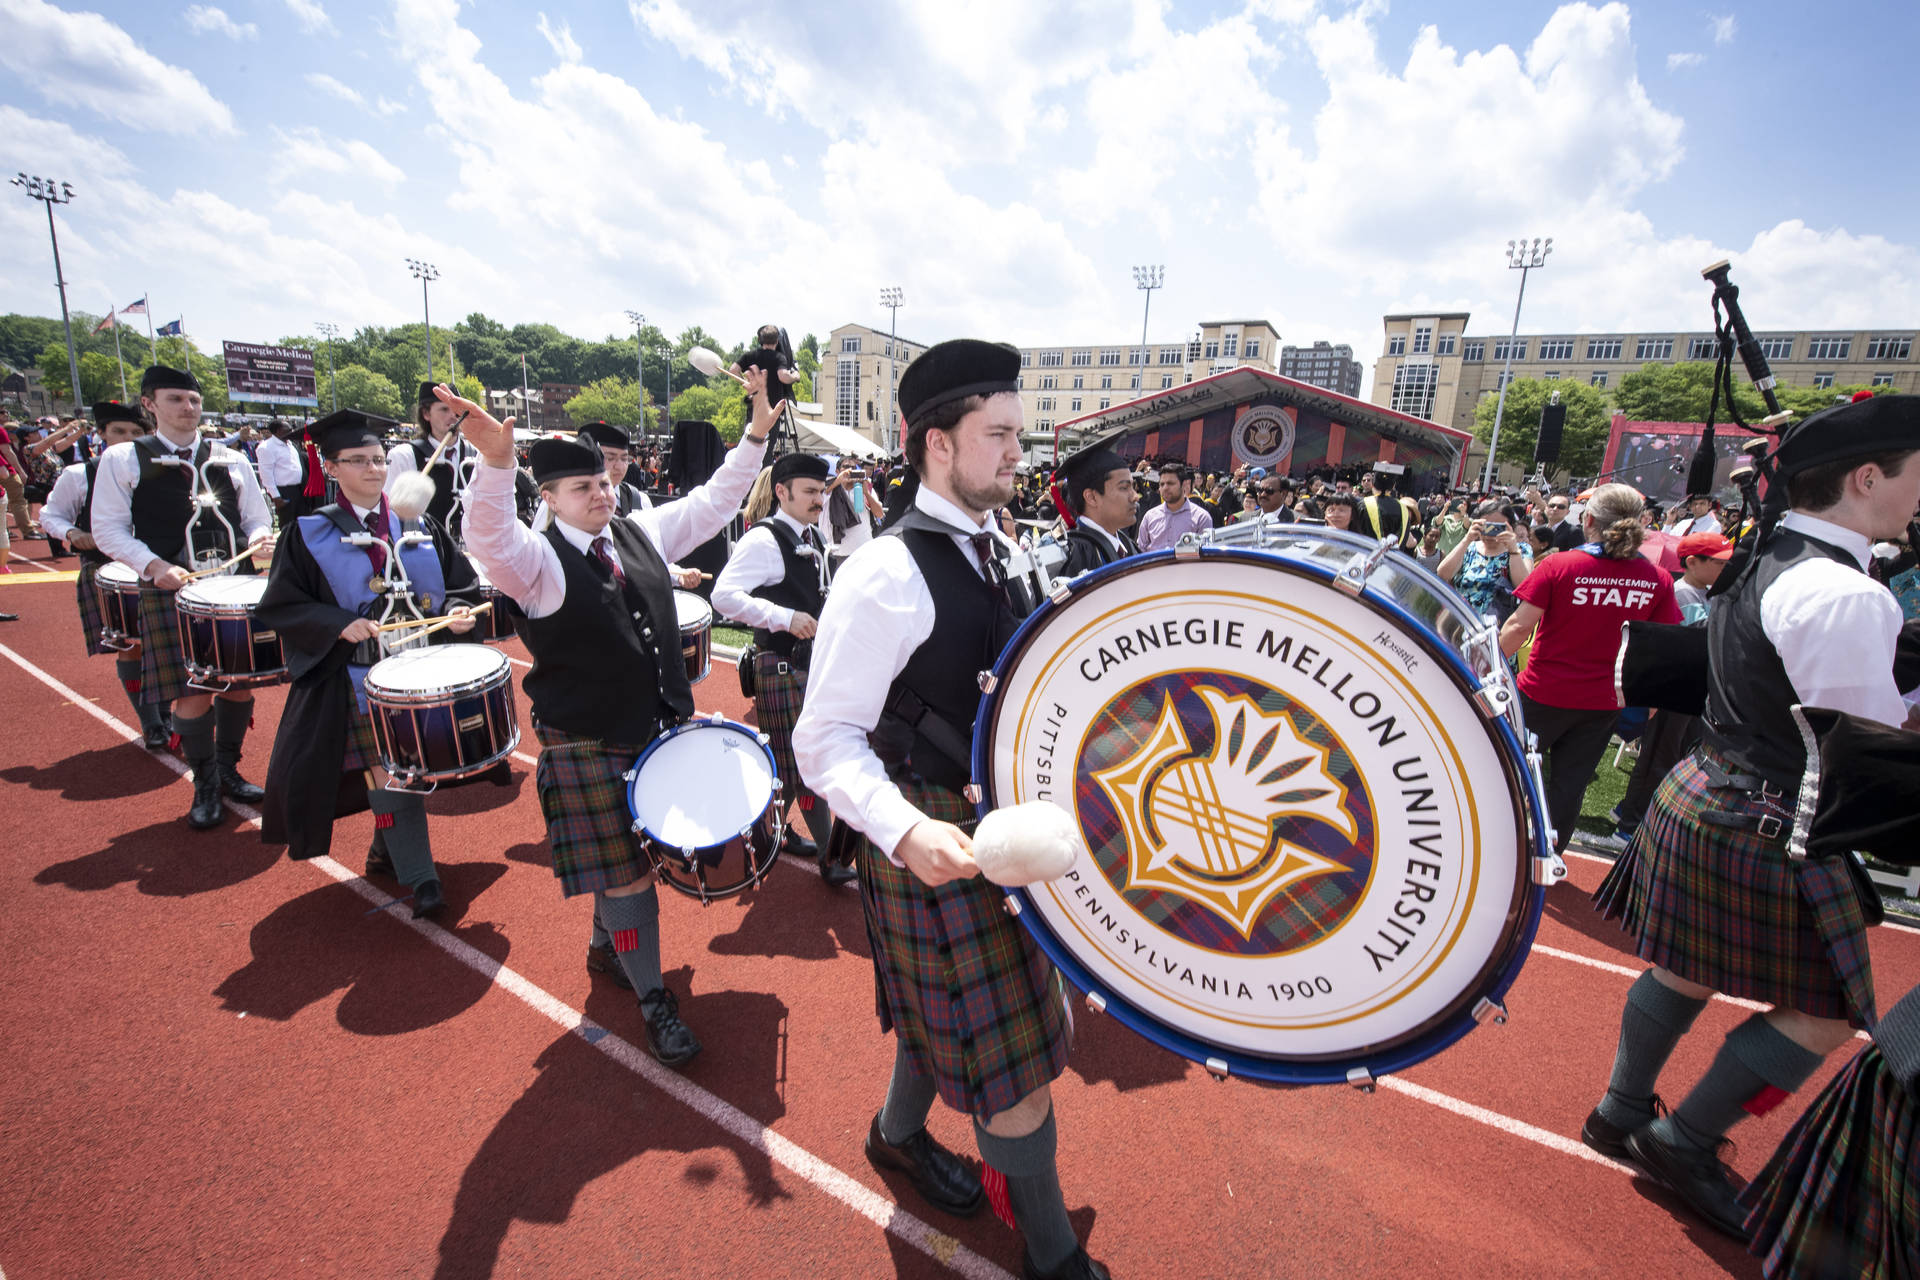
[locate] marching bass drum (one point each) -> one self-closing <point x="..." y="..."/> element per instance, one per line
<point x="1316" y="847"/>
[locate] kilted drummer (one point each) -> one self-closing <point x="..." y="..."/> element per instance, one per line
<point x="144" y="515"/>
<point x="977" y="1010"/>
<point x="595" y="607"/>
<point x="1706" y="887"/>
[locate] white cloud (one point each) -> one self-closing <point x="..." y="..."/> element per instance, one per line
<point x="205" y="18"/>
<point x="304" y="152"/>
<point x="560" y="37"/>
<point x="335" y="88"/>
<point x="1723" y="28"/>
<point x="85" y="60"/>
<point x="1680" y="61"/>
<point x="388" y="107"/>
<point x="311" y="16"/>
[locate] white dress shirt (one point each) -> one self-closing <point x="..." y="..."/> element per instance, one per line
<point x="1835" y="628"/>
<point x="879" y="613"/>
<point x="524" y="564"/>
<point x="1710" y="523"/>
<point x="65" y="503"/>
<point x="401" y="459"/>
<point x="1112" y="539"/>
<point x="119" y="473"/>
<point x="280" y="463"/>
<point x="756" y="562"/>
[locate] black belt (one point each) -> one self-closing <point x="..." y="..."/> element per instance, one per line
<point x="1771" y="825"/>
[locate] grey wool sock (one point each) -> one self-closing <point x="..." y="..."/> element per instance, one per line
<point x="599" y="937"/>
<point x="1756" y="1068"/>
<point x="401" y="819"/>
<point x="230" y="723"/>
<point x="633" y="921"/>
<point x="196" y="738"/>
<point x="1651" y="1025"/>
<point x="909" y="1099"/>
<point x="1033" y="1186"/>
<point x="128" y="669"/>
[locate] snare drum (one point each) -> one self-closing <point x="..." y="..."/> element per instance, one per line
<point x="442" y="713"/>
<point x="696" y="634"/>
<point x="1316" y="846"/>
<point x="706" y="804"/>
<point x="496" y="623"/>
<point x="118" y="589"/>
<point x="223" y="644"/>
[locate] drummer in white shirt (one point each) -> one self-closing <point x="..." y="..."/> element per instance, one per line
<point x="616" y="446"/>
<point x="594" y="606"/>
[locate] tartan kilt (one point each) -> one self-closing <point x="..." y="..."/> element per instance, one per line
<point x="777" y="699"/>
<point x="975" y="1002"/>
<point x="92" y="621"/>
<point x="361" y="752"/>
<point x="1728" y="910"/>
<point x="163" y="658"/>
<point x="584" y="800"/>
<point x="1840" y="1197"/>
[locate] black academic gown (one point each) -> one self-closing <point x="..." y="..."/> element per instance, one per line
<point x="306" y="789"/>
<point x="1089" y="550"/>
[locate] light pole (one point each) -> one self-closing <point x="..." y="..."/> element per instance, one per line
<point x="330" y="332"/>
<point x="423" y="272"/>
<point x="640" y="366"/>
<point x="1148" y="279"/>
<point x="51" y="193"/>
<point x="1522" y="258"/>
<point x="890" y="298"/>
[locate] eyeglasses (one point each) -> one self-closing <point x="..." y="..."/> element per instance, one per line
<point x="378" y="461"/>
<point x="1556" y="506"/>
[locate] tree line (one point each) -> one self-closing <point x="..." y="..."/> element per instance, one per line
<point x="378" y="368"/>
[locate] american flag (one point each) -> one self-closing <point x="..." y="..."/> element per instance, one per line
<point x="135" y="308"/>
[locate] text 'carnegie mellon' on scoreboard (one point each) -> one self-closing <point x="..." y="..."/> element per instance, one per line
<point x="270" y="375"/>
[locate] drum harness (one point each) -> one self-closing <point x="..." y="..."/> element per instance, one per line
<point x="205" y="504"/>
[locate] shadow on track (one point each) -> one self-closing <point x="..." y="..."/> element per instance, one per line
<point x="167" y="859"/>
<point x="795" y="915"/>
<point x="1105" y="1052"/>
<point x="105" y="773"/>
<point x="330" y="940"/>
<point x="1573" y="907"/>
<point x="585" y="1116"/>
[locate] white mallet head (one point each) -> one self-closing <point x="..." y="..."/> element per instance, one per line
<point x="1027" y="843"/>
<point x="410" y="494"/>
<point x="705" y="361"/>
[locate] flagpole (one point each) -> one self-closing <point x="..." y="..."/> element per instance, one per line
<point x="153" y="343"/>
<point x="114" y="318"/>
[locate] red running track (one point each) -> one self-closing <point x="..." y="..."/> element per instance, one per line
<point x="222" y="1063"/>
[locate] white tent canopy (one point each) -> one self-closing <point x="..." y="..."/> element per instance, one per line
<point x="820" y="436"/>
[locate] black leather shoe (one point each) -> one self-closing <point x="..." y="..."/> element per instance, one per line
<point x="1608" y="1138"/>
<point x="604" y="959"/>
<point x="834" y="873"/>
<point x="668" y="1039"/>
<point x="155" y="737"/>
<point x="379" y="861"/>
<point x="798" y="845"/>
<point x="237" y="787"/>
<point x="207" y="811"/>
<point x="1077" y="1267"/>
<point x="427" y="899"/>
<point x="943" y="1179"/>
<point x="1700" y="1178"/>
<point x="9" y="617"/>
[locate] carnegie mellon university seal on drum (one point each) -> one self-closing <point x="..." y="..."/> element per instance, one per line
<point x="1299" y="843"/>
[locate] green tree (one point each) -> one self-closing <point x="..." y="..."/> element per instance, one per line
<point x="615" y="400"/>
<point x="101" y="378"/>
<point x="1583" y="442"/>
<point x="1680" y="393"/>
<point x="696" y="404"/>
<point x="1803" y="401"/>
<point x="361" y="388"/>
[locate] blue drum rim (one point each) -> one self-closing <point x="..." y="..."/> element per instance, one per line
<point x="1504" y="966"/>
<point x="697" y="723"/>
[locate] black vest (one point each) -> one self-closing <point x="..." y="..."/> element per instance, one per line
<point x="800" y="589"/>
<point x="972" y="623"/>
<point x="442" y="508"/>
<point x="596" y="666"/>
<point x="163" y="501"/>
<point x="1749" y="697"/>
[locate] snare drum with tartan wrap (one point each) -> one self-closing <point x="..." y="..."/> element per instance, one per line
<point x="1725" y="907"/>
<point x="977" y="1005"/>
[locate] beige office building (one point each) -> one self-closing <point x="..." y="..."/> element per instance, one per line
<point x="1432" y="368"/>
<point x="1058" y="381"/>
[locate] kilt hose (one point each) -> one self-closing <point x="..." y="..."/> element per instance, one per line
<point x="1726" y="908"/>
<point x="163" y="658"/>
<point x="1841" y="1196"/>
<point x="584" y="800"/>
<point x="976" y="1004"/>
<point x="777" y="697"/>
<point x="91" y="619"/>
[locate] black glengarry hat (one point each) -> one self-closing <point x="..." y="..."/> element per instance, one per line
<point x="113" y="411"/>
<point x="1881" y="424"/>
<point x="161" y="378"/>
<point x="564" y="459"/>
<point x="799" y="466"/>
<point x="954" y="370"/>
<point x="605" y="435"/>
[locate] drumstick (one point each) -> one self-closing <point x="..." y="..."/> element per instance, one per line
<point x="221" y="567"/>
<point x="439" y="624"/>
<point x="453" y="429"/>
<point x="432" y="623"/>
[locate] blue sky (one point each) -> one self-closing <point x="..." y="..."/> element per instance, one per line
<point x="261" y="165"/>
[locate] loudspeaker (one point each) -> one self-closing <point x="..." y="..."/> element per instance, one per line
<point x="1553" y="418"/>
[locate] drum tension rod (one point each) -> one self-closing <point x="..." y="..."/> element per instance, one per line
<point x="1219" y="1068"/>
<point x="1361" y="1079"/>
<point x="1493" y="1009"/>
<point x="1549" y="870"/>
<point x="1353" y="578"/>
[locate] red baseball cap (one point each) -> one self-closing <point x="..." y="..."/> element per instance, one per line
<point x="1714" y="546"/>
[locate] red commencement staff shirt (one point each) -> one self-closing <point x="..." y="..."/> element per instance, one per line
<point x="1585" y="598"/>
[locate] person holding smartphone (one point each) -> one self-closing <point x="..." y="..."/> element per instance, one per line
<point x="1488" y="563"/>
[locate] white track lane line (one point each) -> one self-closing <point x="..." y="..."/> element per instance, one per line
<point x="876" y="1208"/>
<point x="481" y="963"/>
